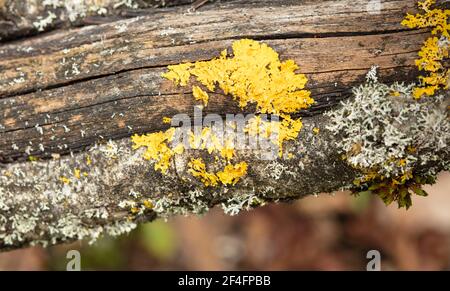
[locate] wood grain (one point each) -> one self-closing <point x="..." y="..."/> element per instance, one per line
<point x="104" y="82"/>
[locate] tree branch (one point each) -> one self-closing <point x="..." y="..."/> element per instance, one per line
<point x="72" y="99"/>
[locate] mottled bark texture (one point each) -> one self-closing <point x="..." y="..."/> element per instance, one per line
<point x="72" y="98"/>
<point x="21" y="18"/>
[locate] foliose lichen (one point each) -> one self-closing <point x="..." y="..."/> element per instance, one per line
<point x="62" y="204"/>
<point x="435" y="49"/>
<point x="254" y="74"/>
<point x="392" y="138"/>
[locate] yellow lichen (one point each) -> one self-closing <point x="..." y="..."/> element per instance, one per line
<point x="167" y="120"/>
<point x="435" y="49"/>
<point x="253" y="75"/>
<point x="395" y="93"/>
<point x="33" y="158"/>
<point x="227" y="151"/>
<point x="207" y="140"/>
<point x="200" y="95"/>
<point x="198" y="169"/>
<point x="316" y="130"/>
<point x="156" y="146"/>
<point x="77" y="173"/>
<point x="178" y="73"/>
<point x="287" y="129"/>
<point x="230" y="175"/>
<point x="65" y="180"/>
<point x="148" y="204"/>
<point x="134" y="210"/>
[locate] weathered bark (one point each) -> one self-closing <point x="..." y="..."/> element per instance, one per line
<point x="66" y="91"/>
<point x="19" y="18"/>
<point x="81" y="78"/>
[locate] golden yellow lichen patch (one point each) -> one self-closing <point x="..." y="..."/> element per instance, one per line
<point x="33" y="158"/>
<point x="200" y="95"/>
<point x="178" y="73"/>
<point x="167" y="120"/>
<point x="156" y="146"/>
<point x="289" y="129"/>
<point x="395" y="93"/>
<point x="256" y="75"/>
<point x="198" y="169"/>
<point x="207" y="140"/>
<point x="434" y="51"/>
<point x="277" y="131"/>
<point x="134" y="210"/>
<point x="148" y="204"/>
<point x="77" y="173"/>
<point x="253" y="74"/>
<point x="65" y="180"/>
<point x="230" y="175"/>
<point x="227" y="151"/>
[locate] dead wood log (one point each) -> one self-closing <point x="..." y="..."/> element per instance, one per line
<point x="24" y="18"/>
<point x="64" y="92"/>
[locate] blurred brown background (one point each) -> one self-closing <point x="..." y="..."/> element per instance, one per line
<point x="317" y="233"/>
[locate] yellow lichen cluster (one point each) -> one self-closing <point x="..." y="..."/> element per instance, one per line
<point x="157" y="148"/>
<point x="253" y="75"/>
<point x="207" y="140"/>
<point x="200" y="95"/>
<point x="230" y="175"/>
<point x="65" y="180"/>
<point x="198" y="169"/>
<point x="77" y="174"/>
<point x="284" y="130"/>
<point x="167" y="120"/>
<point x="435" y="49"/>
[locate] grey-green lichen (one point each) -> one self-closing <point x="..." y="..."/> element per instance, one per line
<point x="398" y="143"/>
<point x="76" y="9"/>
<point x="63" y="202"/>
<point x="109" y="188"/>
<point x="103" y="190"/>
<point x="236" y="204"/>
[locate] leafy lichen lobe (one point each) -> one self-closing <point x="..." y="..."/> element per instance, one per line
<point x="253" y="74"/>
<point x="435" y="49"/>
